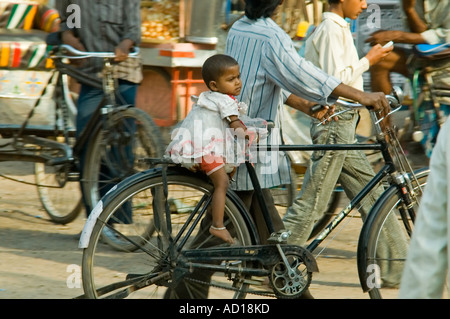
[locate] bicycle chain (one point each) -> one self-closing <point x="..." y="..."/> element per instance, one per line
<point x="253" y="292"/>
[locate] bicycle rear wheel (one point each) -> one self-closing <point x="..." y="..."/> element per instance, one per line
<point x="115" y="151"/>
<point x="149" y="271"/>
<point x="384" y="240"/>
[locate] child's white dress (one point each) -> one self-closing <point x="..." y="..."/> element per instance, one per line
<point x="206" y="131"/>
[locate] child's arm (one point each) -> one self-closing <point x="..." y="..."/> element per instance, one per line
<point x="236" y="124"/>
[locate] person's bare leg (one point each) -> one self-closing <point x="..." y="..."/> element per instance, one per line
<point x="220" y="181"/>
<point x="380" y="74"/>
<point x="380" y="80"/>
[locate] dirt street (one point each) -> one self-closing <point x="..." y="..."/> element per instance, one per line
<point x="40" y="259"/>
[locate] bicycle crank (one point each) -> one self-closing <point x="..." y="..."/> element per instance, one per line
<point x="290" y="276"/>
<point x="288" y="267"/>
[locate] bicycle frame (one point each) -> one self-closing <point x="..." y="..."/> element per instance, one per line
<point x="388" y="168"/>
<point x="265" y="255"/>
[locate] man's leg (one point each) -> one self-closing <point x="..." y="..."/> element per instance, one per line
<point x="88" y="101"/>
<point x="380" y="75"/>
<point x="251" y="203"/>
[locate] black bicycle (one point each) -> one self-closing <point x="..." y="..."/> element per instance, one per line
<point x="115" y="137"/>
<point x="166" y="251"/>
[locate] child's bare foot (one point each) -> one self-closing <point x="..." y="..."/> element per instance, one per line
<point x="222" y="233"/>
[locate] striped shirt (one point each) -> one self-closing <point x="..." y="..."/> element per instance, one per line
<point x="101" y="25"/>
<point x="270" y="67"/>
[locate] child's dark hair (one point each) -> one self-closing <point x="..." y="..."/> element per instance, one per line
<point x="215" y="66"/>
<point x="333" y="1"/>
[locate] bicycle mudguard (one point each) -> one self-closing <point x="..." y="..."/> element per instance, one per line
<point x="153" y="173"/>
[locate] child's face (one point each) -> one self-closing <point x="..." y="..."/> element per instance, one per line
<point x="229" y="82"/>
<point x="353" y="8"/>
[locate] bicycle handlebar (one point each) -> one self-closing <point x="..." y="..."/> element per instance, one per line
<point x="395" y="101"/>
<point x="77" y="54"/>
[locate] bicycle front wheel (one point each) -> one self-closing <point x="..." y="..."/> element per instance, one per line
<point x="114" y="152"/>
<point x="148" y="271"/>
<point x="384" y="240"/>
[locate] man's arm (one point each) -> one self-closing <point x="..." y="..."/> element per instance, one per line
<point x="300" y="77"/>
<point x="383" y="37"/>
<point x="305" y="106"/>
<point x="421" y="32"/>
<point x="376" y="100"/>
<point x="416" y="24"/>
<point x="67" y="35"/>
<point x="132" y="29"/>
<point x="132" y="21"/>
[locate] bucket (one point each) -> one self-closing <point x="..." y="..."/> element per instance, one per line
<point x="203" y="20"/>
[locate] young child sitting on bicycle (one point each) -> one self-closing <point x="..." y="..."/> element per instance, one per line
<point x="213" y="137"/>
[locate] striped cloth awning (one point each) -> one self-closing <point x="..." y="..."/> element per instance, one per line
<point x="19" y="15"/>
<point x="25" y="55"/>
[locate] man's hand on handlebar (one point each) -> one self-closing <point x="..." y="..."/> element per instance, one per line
<point x="122" y="50"/>
<point x="377" y="101"/>
<point x="324" y="114"/>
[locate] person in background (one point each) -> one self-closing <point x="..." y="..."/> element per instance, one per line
<point x="429" y="22"/>
<point x="331" y="48"/>
<point x="426" y="271"/>
<point x="104" y="26"/>
<point x="274" y="74"/>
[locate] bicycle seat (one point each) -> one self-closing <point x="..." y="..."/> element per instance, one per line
<point x="433" y="51"/>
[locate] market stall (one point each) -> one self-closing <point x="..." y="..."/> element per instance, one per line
<point x="24" y="68"/>
<point x="177" y="37"/>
